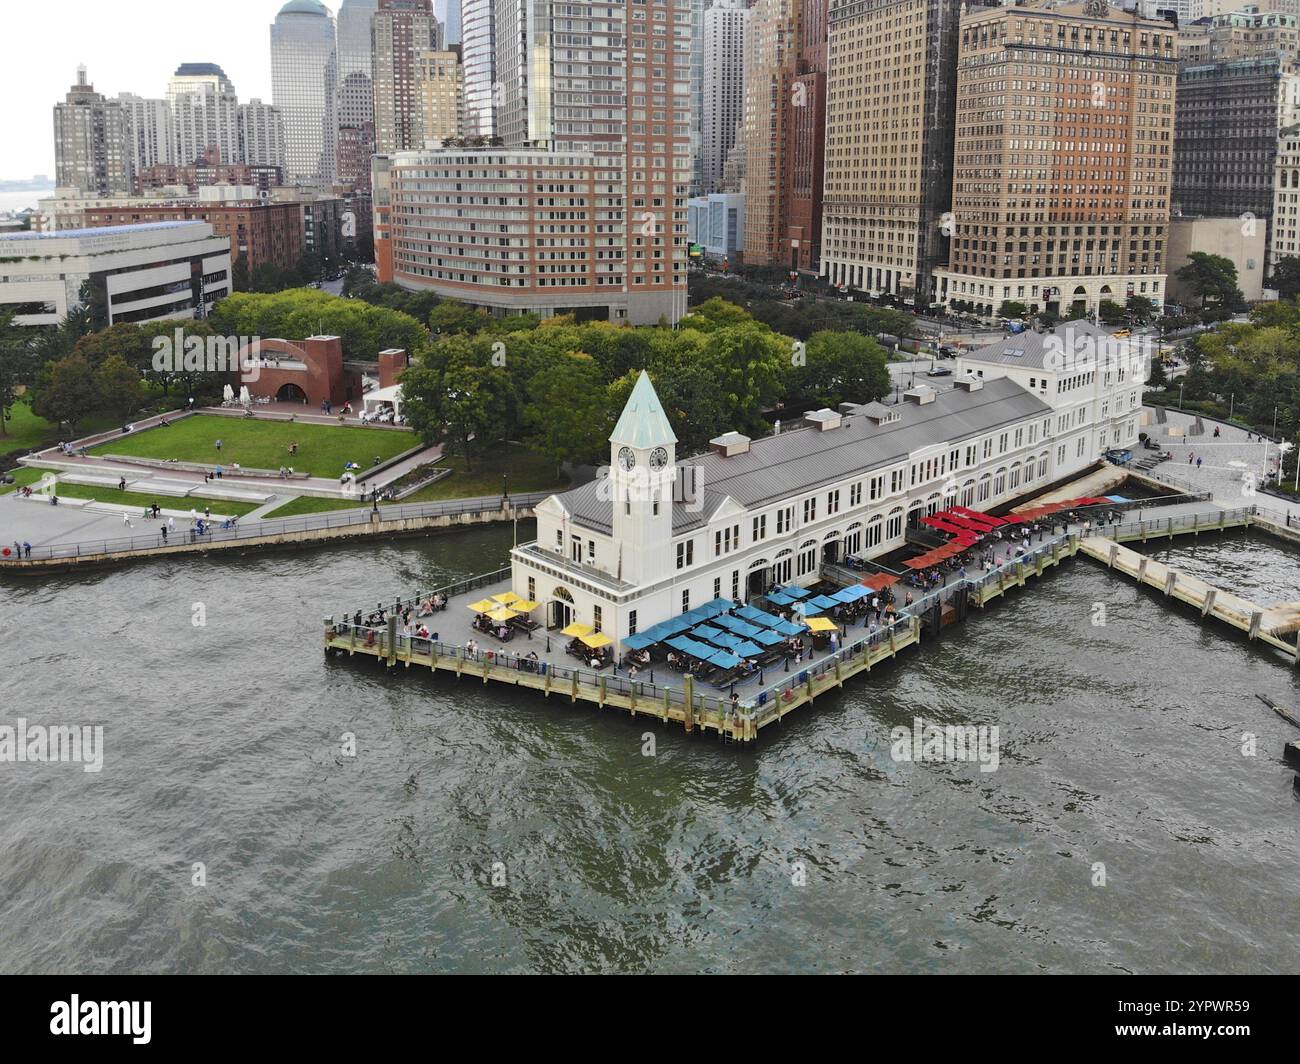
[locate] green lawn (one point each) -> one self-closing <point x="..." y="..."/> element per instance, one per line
<point x="24" y="430"/>
<point x="23" y="476"/>
<point x="528" y="472"/>
<point x="323" y="450"/>
<point x="167" y="502"/>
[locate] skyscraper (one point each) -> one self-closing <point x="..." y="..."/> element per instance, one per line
<point x="478" y="56"/>
<point x="769" y="43"/>
<point x="92" y="146"/>
<point x="304" y="86"/>
<point x="402" y="31"/>
<point x="261" y="135"/>
<point x="1061" y="189"/>
<point x="584" y="76"/>
<point x="356" y="106"/>
<point x="448" y="13"/>
<point x="891" y="111"/>
<point x="440" y="97"/>
<point x="724" y="86"/>
<point x="150" y="130"/>
<point x="205" y="115"/>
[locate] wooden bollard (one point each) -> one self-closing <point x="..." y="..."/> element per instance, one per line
<point x="1255" y="618"/>
<point x="1171" y="581"/>
<point x="1208" y="604"/>
<point x="1114" y="555"/>
<point x="392" y="640"/>
<point x="1142" y="569"/>
<point x="688" y="692"/>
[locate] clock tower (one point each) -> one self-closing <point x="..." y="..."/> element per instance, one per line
<point x="642" y="469"/>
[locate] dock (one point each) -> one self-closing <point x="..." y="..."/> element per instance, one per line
<point x="779" y="690"/>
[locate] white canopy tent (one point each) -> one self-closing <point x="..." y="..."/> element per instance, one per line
<point x="380" y="400"/>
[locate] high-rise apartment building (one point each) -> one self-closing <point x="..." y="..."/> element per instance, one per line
<point x="889" y="142"/>
<point x="478" y="56"/>
<point x="1228" y="121"/>
<point x="441" y="97"/>
<point x="448" y="13"/>
<point x="769" y="43"/>
<point x="723" y="86"/>
<point x="1063" y="158"/>
<point x="594" y="109"/>
<point x="805" y="138"/>
<point x="93" y="148"/>
<point x="205" y="115"/>
<point x="149" y="124"/>
<point x="356" y="98"/>
<point x="261" y="134"/>
<point x="403" y="31"/>
<point x="304" y="86"/>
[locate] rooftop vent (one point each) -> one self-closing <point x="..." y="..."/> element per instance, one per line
<point x="920" y="395"/>
<point x="823" y="419"/>
<point x="969" y="383"/>
<point x="730" y="443"/>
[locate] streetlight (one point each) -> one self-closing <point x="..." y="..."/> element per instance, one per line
<point x="1181" y="382"/>
<point x="505" y="486"/>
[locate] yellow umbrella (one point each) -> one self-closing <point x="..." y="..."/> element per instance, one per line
<point x="524" y="606"/>
<point x="596" y="640"/>
<point x="577" y="629"/>
<point x="484" y="606"/>
<point x="508" y="599"/>
<point x="821" y="624"/>
<point x="503" y="613"/>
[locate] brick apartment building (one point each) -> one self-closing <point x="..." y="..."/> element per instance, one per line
<point x="264" y="233"/>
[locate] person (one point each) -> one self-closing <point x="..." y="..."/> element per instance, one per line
<point x="207" y="512"/>
<point x="1216" y="432"/>
<point x="121" y="484"/>
<point x="126" y="520"/>
<point x="27" y="549"/>
<point x="1190" y="458"/>
<point x="1198" y="462"/>
<point x="218" y="445"/>
<point x="171" y="524"/>
<point x="163" y="530"/>
<point x="735" y="704"/>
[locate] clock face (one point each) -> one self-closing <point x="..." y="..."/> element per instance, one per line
<point x="658" y="458"/>
<point x="626" y="458"/>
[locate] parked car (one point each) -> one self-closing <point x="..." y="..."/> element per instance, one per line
<point x="939" y="371"/>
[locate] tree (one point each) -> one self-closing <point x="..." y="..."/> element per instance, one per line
<point x="66" y="391"/>
<point x="568" y="415"/>
<point x="450" y="318"/>
<point x="119" y="388"/>
<point x="13" y="366"/>
<point x="1140" y="308"/>
<point x="1110" y="313"/>
<point x="1210" y="277"/>
<point x="841" y="367"/>
<point x="1012" y="308"/>
<point x="465" y="406"/>
<point x="239" y="278"/>
<point x="1286" y="277"/>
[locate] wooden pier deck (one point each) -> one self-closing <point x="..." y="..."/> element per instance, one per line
<point x="1269" y="625"/>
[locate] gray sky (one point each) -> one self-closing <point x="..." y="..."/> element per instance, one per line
<point x="127" y="46"/>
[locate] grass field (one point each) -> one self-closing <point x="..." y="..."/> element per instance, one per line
<point x="323" y="450"/>
<point x="24" y="430"/>
<point x="528" y="472"/>
<point x="141" y="500"/>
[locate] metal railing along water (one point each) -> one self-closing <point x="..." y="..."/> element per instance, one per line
<point x="182" y="536"/>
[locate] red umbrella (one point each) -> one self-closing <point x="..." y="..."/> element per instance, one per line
<point x="880" y="581"/>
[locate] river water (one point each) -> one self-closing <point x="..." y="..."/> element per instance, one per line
<point x="480" y="831"/>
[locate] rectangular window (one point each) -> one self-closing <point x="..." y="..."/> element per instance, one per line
<point x="685" y="554"/>
<point x="631" y="620"/>
<point x="809" y="511"/>
<point x="760" y="527"/>
<point x="597" y="617"/>
<point x="735" y="584"/>
<point x="686" y="601"/>
<point x="855" y="494"/>
<point x="717" y="587"/>
<point x="832" y="502"/>
<point x="532" y="590"/>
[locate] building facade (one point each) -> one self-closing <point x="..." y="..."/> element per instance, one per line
<point x="718" y="225"/>
<point x="153" y="272"/>
<point x="1243" y="244"/>
<point x="1228" y="127"/>
<point x="723" y="102"/>
<point x="769" y="43"/>
<point x="205" y="115"/>
<point x="1063" y="159"/>
<point x="440" y="97"/>
<point x="149" y="125"/>
<point x="478" y="54"/>
<point x="661" y="534"/>
<point x="93" y="148"/>
<point x="403" y="32"/>
<point x="356" y="95"/>
<point x="260" y="233"/>
<point x="890" y="128"/>
<point x="261" y="135"/>
<point x="304" y="87"/>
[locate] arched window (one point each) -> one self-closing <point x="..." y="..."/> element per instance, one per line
<point x="968" y="493"/>
<point x="986" y="481"/>
<point x="853" y="538"/>
<point x="807" y="560"/>
<point x="894" y="527"/>
<point x="782" y="568"/>
<point x="875" y="530"/>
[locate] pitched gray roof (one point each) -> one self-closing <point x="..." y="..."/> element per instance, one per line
<point x="1029" y="349"/>
<point x="801" y="460"/>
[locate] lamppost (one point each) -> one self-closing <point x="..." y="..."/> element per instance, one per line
<point x="1182" y="381"/>
<point x="505" y="486"/>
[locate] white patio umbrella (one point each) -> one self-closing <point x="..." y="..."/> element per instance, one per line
<point x="228" y="393"/>
<point x="244" y="397"/>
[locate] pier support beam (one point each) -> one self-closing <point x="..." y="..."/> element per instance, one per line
<point x="1255" y="619"/>
<point x="1142" y="569"/>
<point x="1171" y="581"/>
<point x="1208" y="604"/>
